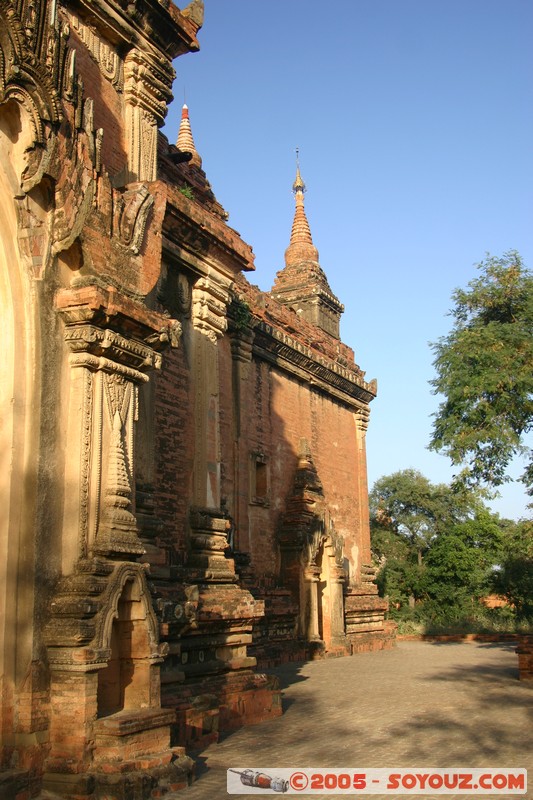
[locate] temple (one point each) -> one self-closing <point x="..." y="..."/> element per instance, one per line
<point x="184" y="495"/>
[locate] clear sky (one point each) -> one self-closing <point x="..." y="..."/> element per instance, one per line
<point x="414" y="120"/>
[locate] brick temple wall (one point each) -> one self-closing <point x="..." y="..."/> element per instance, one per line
<point x="156" y="434"/>
<point x="173" y="447"/>
<point x="277" y="411"/>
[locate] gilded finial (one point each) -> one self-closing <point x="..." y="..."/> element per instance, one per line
<point x="298" y="185"/>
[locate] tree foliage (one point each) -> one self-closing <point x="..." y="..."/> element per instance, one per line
<point x="407" y="502"/>
<point x="514" y="579"/>
<point x="460" y="564"/>
<point x="485" y="374"/>
<point x="440" y="552"/>
<point x="408" y="515"/>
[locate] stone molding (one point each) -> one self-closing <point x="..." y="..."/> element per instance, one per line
<point x="279" y="348"/>
<point x="107" y="309"/>
<point x="208" y="538"/>
<point x="203" y="241"/>
<point x="104" y="349"/>
<point x="242" y="346"/>
<point x="362" y="419"/>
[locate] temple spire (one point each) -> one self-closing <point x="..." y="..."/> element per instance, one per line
<point x="301" y="246"/>
<point x="302" y="284"/>
<point x="185" y="141"/>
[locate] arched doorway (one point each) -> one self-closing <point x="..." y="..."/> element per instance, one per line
<point x="312" y="560"/>
<point x="322" y="579"/>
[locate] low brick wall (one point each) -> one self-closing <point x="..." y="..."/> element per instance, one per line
<point x="459" y="637"/>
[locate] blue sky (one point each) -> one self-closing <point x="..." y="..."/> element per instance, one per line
<point x="414" y="120"/>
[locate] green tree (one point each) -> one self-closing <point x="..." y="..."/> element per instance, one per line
<point x="514" y="579"/>
<point x="407" y="514"/>
<point x="398" y="576"/>
<point x="485" y="373"/>
<point x="408" y="503"/>
<point x="460" y="566"/>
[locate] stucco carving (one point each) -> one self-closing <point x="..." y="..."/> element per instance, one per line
<point x="110" y="351"/>
<point x="78" y="634"/>
<point x="361" y="420"/>
<point x="85" y="461"/>
<point x="110" y="366"/>
<point x="130" y="214"/>
<point x="147" y="89"/>
<point x="120" y="401"/>
<point x="104" y="54"/>
<point x="123" y="573"/>
<point x="37" y="70"/>
<point x="30" y="30"/>
<point x="209" y="304"/>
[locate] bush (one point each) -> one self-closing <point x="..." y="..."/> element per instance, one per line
<point x="429" y="618"/>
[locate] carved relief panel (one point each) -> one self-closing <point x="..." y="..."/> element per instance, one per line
<point x="105" y="375"/>
<point x="104" y="54"/>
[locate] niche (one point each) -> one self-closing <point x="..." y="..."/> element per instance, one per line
<point x="259" y="479"/>
<point x="124" y="685"/>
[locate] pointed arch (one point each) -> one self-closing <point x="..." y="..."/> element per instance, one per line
<point x="127" y="632"/>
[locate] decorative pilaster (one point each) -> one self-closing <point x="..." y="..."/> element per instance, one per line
<point x="106" y="371"/>
<point x="363" y="521"/>
<point x="241" y="337"/>
<point x="209" y="318"/>
<point x="337" y="582"/>
<point x="147" y="89"/>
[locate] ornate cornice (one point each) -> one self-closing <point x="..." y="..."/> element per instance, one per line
<point x="156" y="25"/>
<point x="286" y="352"/>
<point x="96" y="348"/>
<point x="199" y="238"/>
<point x="91" y="306"/>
